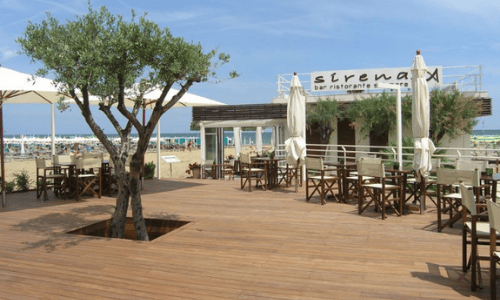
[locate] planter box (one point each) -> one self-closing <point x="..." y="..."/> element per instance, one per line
<point x="196" y="173"/>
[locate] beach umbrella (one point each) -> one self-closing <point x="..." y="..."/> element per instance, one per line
<point x="424" y="147"/>
<point x="16" y="87"/>
<point x="295" y="145"/>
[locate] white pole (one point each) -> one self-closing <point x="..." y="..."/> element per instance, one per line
<point x="158" y="150"/>
<point x="53" y="129"/>
<point x="399" y="124"/>
<point x="202" y="142"/>
<point x="237" y="140"/>
<point x="399" y="128"/>
<point x="258" y="140"/>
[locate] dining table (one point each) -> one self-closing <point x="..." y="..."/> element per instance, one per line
<point x="272" y="169"/>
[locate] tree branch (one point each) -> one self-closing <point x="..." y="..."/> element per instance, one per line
<point x="123" y="109"/>
<point x="84" y="107"/>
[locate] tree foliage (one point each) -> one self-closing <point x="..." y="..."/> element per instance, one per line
<point x="378" y="113"/>
<point x="103" y="55"/>
<point x="324" y="112"/>
<point x="451" y="115"/>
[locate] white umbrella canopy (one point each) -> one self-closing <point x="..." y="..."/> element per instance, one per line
<point x="295" y="145"/>
<point x="424" y="147"/>
<point x="149" y="99"/>
<point x="16" y="87"/>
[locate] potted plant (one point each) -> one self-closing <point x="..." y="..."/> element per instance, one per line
<point x="149" y="170"/>
<point x="194" y="169"/>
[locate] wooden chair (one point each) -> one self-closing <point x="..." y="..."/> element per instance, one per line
<point x="379" y="191"/>
<point x="414" y="187"/>
<point x="448" y="200"/>
<point x="48" y="176"/>
<point x="62" y="159"/>
<point x="471" y="165"/>
<point x="228" y="170"/>
<point x="286" y="173"/>
<point x="249" y="171"/>
<point x="494" y="222"/>
<point x="352" y="179"/>
<point x="88" y="174"/>
<point x="207" y="169"/>
<point x="321" y="180"/>
<point x="474" y="233"/>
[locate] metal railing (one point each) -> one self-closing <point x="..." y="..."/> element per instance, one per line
<point x="346" y="153"/>
<point x="461" y="78"/>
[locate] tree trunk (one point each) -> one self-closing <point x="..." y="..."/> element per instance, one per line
<point x="122" y="201"/>
<point x="325" y="132"/>
<point x="135" y="195"/>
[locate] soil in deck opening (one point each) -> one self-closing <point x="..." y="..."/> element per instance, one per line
<point x="154" y="227"/>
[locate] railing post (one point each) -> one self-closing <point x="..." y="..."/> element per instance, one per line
<point x="345" y="154"/>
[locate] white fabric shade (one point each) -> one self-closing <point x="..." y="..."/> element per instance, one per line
<point x="424" y="147"/>
<point x="295" y="145"/>
<point x="149" y="99"/>
<point x="258" y="140"/>
<point x="237" y="140"/>
<point x="18" y="87"/>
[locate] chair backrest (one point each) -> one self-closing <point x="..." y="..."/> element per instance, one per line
<point x="449" y="176"/>
<point x="472" y="165"/>
<point x="62" y="159"/>
<point x="370" y="160"/>
<point x="371" y="169"/>
<point x="468" y="199"/>
<point x="494" y="214"/>
<point x="313" y="163"/>
<point x="89" y="162"/>
<point x="41" y="163"/>
<point x="436" y="163"/>
<point x="245" y="158"/>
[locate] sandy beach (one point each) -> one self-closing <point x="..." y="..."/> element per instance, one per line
<point x="178" y="169"/>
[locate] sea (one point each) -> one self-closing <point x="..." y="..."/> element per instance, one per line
<point x="486" y="132"/>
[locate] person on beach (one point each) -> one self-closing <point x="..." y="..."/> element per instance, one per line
<point x="190" y="146"/>
<point x="76" y="151"/>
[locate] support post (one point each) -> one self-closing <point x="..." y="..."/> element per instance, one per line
<point x="158" y="150"/>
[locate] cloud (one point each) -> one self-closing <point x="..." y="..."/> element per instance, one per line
<point x="7" y="53"/>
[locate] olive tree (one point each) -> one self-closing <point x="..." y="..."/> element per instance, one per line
<point x="451" y="114"/>
<point x="102" y="55"/>
<point x="323" y="113"/>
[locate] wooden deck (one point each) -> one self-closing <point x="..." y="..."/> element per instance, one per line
<point x="239" y="245"/>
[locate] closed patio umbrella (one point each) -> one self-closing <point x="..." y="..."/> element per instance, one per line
<point x="295" y="145"/>
<point x="424" y="147"/>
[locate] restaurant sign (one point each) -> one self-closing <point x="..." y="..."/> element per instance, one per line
<point x="345" y="80"/>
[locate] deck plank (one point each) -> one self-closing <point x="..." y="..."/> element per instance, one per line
<point x="239" y="245"/>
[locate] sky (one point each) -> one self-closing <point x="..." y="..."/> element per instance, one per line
<point x="267" y="38"/>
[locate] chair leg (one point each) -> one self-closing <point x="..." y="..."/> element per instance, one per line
<point x="464" y="250"/>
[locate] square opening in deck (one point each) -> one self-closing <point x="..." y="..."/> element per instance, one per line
<point x="154" y="227"/>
